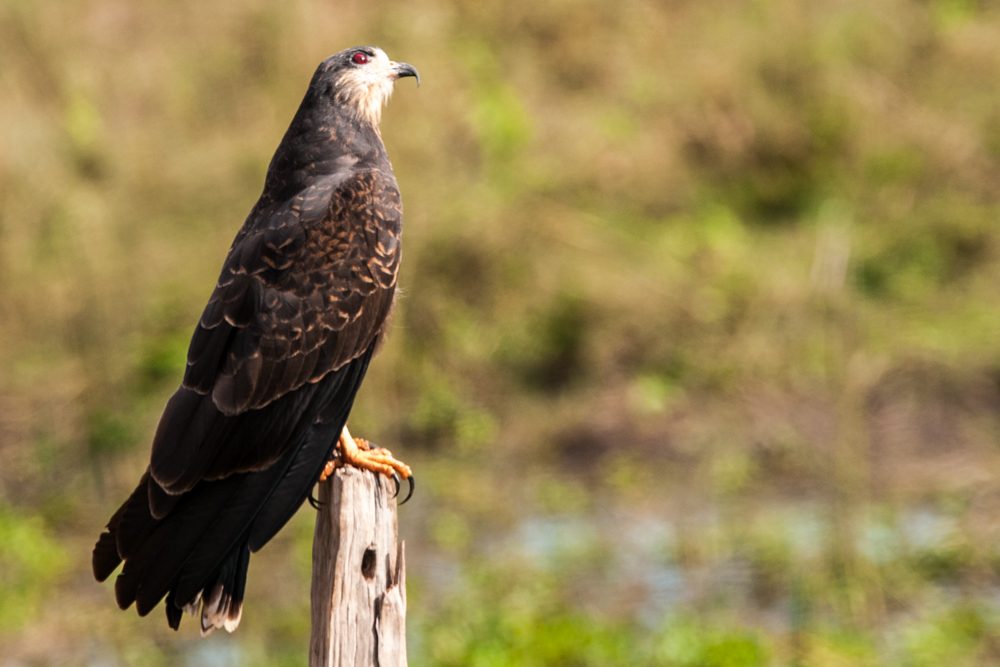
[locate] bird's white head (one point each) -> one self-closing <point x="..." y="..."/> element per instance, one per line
<point x="364" y="80"/>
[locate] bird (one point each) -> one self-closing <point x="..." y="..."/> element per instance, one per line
<point x="302" y="302"/>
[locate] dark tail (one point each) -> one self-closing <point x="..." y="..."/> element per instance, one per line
<point x="200" y="550"/>
<point x="132" y="519"/>
<point x="221" y="599"/>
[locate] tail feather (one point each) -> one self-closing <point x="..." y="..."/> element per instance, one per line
<point x="181" y="532"/>
<point x="173" y="612"/>
<point x="132" y="518"/>
<point x="228" y="528"/>
<point x="105" y="558"/>
<point x="186" y="547"/>
<point x="194" y="547"/>
<point x="136" y="522"/>
<point x="223" y="607"/>
<point x="128" y="580"/>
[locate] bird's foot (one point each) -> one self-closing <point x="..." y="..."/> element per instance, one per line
<point x="362" y="454"/>
<point x="337" y="462"/>
<point x="331" y="465"/>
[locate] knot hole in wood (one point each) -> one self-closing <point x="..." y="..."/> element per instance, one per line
<point x="368" y="564"/>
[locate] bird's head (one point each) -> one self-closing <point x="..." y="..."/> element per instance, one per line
<point x="360" y="80"/>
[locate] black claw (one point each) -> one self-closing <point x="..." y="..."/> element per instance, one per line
<point x="412" y="485"/>
<point x="314" y="502"/>
<point x="395" y="478"/>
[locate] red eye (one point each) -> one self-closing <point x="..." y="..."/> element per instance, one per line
<point x="359" y="58"/>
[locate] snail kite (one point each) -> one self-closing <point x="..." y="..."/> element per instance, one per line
<point x="275" y="361"/>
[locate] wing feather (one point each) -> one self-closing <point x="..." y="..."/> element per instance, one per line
<point x="273" y="367"/>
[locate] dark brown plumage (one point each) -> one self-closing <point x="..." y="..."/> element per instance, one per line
<point x="276" y="358"/>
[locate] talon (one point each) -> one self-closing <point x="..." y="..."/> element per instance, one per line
<point x="367" y="456"/>
<point x="410" y="493"/>
<point x="314" y="502"/>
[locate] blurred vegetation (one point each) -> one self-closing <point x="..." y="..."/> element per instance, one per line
<point x="698" y="353"/>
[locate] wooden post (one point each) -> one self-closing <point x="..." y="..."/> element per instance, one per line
<point x="359" y="574"/>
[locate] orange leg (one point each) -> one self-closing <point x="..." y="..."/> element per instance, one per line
<point x="336" y="462"/>
<point x="359" y="453"/>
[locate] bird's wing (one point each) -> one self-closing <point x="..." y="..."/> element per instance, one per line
<point x="305" y="289"/>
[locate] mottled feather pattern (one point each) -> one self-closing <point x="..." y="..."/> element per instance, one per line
<point x="344" y="245"/>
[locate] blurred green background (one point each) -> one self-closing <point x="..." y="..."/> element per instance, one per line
<point x="697" y="358"/>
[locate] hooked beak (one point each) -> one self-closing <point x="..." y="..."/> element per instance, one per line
<point x="404" y="69"/>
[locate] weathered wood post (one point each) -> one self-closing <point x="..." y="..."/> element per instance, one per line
<point x="359" y="574"/>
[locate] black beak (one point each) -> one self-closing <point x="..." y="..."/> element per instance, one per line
<point x="405" y="69"/>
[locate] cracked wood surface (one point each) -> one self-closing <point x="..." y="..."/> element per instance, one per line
<point x="359" y="574"/>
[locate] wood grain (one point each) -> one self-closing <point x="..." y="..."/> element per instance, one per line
<point x="359" y="575"/>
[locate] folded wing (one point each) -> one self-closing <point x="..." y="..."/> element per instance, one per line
<point x="273" y="367"/>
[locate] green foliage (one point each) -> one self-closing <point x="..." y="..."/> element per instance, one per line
<point x="504" y="619"/>
<point x="548" y="354"/>
<point x="109" y="433"/>
<point x="952" y="638"/>
<point x="685" y="643"/>
<point x="515" y="616"/>
<point x="31" y="562"/>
